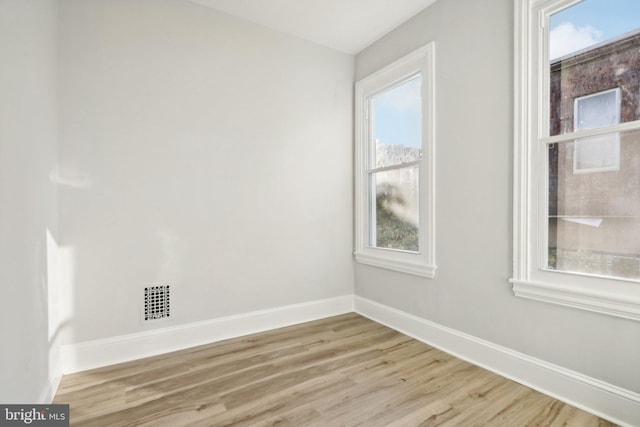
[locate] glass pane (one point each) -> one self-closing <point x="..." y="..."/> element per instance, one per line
<point x="397" y="124"/>
<point x="594" y="218"/>
<point x="594" y="47"/>
<point x="394" y="209"/>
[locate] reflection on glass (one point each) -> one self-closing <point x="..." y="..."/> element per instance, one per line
<point x="597" y="153"/>
<point x="594" y="218"/>
<point x="394" y="215"/>
<point x="594" y="51"/>
<point x="397" y="124"/>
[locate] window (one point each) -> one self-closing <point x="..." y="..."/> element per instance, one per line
<point x="395" y="166"/>
<point x="597" y="153"/>
<point x="577" y="154"/>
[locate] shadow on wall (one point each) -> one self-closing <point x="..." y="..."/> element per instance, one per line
<point x="60" y="281"/>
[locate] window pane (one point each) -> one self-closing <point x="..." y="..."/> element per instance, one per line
<point x="394" y="209"/>
<point x="594" y="218"/>
<point x="594" y="46"/>
<point x="397" y="124"/>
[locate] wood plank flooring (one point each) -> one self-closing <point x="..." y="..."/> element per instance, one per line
<point x="341" y="371"/>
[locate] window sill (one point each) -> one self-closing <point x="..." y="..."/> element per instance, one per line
<point x="408" y="267"/>
<point x="613" y="303"/>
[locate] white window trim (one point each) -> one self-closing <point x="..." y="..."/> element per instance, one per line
<point x="615" y="136"/>
<point x="420" y="263"/>
<point x="613" y="297"/>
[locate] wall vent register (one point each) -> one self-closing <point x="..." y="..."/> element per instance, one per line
<point x="156" y="302"/>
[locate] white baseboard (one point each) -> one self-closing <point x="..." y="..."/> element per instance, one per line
<point x="605" y="400"/>
<point x="108" y="351"/>
<point x="47" y="395"/>
<point x="597" y="397"/>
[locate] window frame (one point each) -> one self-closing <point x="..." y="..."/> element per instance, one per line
<point x="612" y="296"/>
<point x="421" y="263"/>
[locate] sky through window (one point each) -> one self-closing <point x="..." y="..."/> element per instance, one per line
<point x="398" y="114"/>
<point x="590" y="22"/>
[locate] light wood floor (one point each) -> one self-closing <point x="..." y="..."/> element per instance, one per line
<point x="341" y="371"/>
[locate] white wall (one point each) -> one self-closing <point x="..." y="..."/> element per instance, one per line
<point x="201" y="151"/>
<point x="471" y="293"/>
<point x="28" y="144"/>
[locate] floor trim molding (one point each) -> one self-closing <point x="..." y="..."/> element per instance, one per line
<point x="50" y="389"/>
<point x="605" y="400"/>
<point x="124" y="348"/>
<point x="608" y="401"/>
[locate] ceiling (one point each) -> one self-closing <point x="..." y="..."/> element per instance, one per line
<point x="345" y="25"/>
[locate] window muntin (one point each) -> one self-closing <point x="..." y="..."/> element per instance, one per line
<point x="395" y="222"/>
<point x="570" y="173"/>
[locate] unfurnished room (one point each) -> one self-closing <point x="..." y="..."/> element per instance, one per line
<point x="320" y="213"/>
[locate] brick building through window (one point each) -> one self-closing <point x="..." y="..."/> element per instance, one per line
<point x="593" y="183"/>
